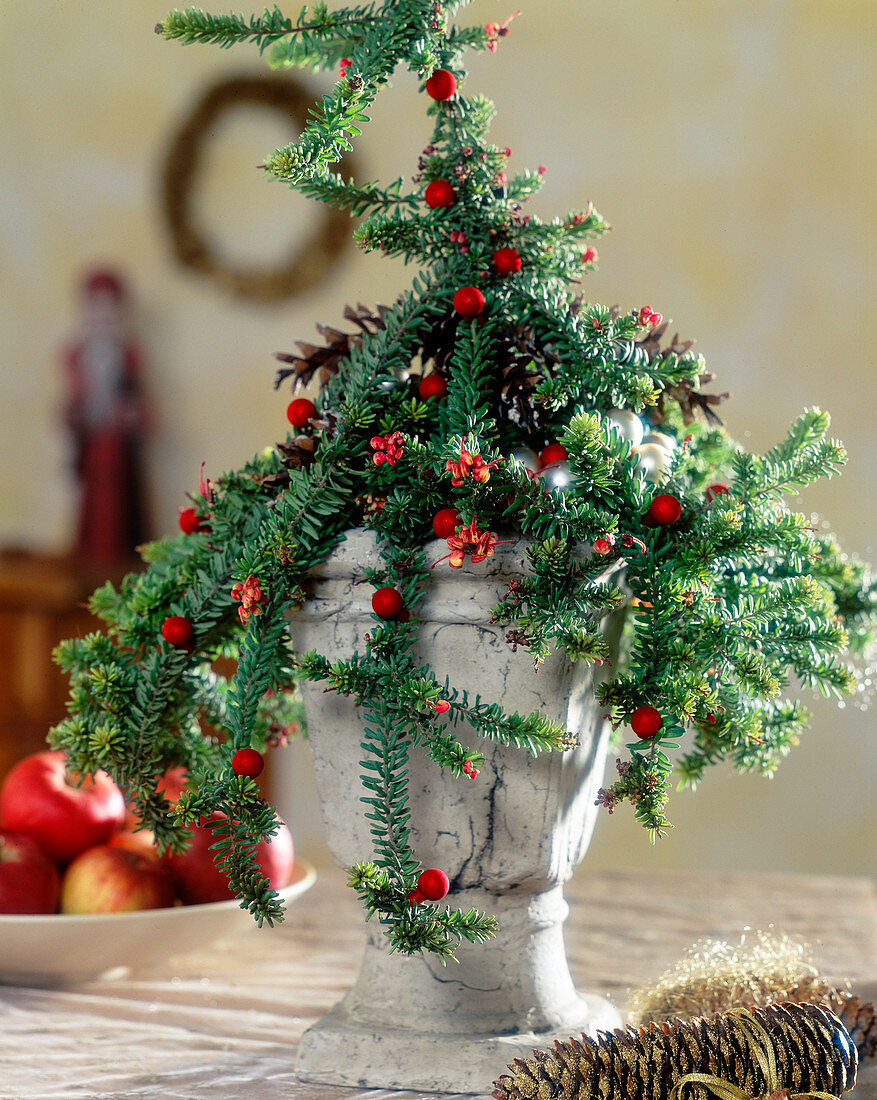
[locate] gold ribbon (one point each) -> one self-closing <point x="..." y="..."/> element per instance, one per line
<point x="760" y="1045"/>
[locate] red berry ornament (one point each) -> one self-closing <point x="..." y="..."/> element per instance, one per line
<point x="247" y="762"/>
<point x="301" y="412"/>
<point x="664" y="510"/>
<point x="713" y="491"/>
<point x="190" y="522"/>
<point x="433" y="386"/>
<point x="439" y="194"/>
<point x="554" y="452"/>
<point x="433" y="884"/>
<point x="646" y="722"/>
<point x="177" y="631"/>
<point x="446" y="522"/>
<point x="506" y="261"/>
<point x="387" y="603"/>
<point x="468" y="301"/>
<point x="441" y="85"/>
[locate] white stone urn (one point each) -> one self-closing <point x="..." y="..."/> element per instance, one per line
<point x="508" y="840"/>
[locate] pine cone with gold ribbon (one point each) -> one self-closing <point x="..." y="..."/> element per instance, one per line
<point x="802" y="1048"/>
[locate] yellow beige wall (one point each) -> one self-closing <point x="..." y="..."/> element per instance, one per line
<point x="732" y="146"/>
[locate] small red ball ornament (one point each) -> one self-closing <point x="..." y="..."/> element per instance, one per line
<point x="432" y="386"/>
<point x="433" y="884"/>
<point x="712" y="491"/>
<point x="190" y="522"/>
<point x="506" y="261"/>
<point x="664" y="510"/>
<point x="646" y="722"/>
<point x="301" y="412"/>
<point x="554" y="452"/>
<point x="247" y="762"/>
<point x="177" y="631"/>
<point x="441" y="85"/>
<point x="387" y="603"/>
<point x="439" y="194"/>
<point x="468" y="301"/>
<point x="446" y="522"/>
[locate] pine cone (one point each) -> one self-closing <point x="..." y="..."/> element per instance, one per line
<point x="439" y="343"/>
<point x="857" y="1016"/>
<point x="810" y="1045"/>
<point x="683" y="393"/>
<point x="860" y="1020"/>
<point x="323" y="361"/>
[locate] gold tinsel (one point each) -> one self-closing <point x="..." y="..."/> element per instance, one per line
<point x="765" y="967"/>
<point x="713" y="976"/>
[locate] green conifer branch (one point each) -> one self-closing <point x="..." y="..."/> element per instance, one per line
<point x="196" y="26"/>
<point x="731" y="604"/>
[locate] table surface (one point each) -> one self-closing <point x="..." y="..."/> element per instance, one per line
<point x="224" y="1023"/>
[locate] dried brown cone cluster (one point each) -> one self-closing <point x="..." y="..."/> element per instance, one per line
<point x="810" y="1047"/>
<point x="322" y="361"/>
<point x="521" y="360"/>
<point x="690" y="400"/>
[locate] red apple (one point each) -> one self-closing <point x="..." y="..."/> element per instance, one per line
<point x="135" y="840"/>
<point x="105" y="879"/>
<point x="29" y="881"/>
<point x="42" y="800"/>
<point x="199" y="880"/>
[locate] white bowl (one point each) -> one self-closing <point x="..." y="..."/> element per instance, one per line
<point x="60" y="949"/>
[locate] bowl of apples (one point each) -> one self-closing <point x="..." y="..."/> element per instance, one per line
<point x="84" y="893"/>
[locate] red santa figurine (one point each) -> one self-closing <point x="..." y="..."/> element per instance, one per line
<point x="107" y="415"/>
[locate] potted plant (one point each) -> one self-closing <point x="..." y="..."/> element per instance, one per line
<point x="493" y="474"/>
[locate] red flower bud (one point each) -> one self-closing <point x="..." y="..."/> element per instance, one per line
<point x="301" y="412"/>
<point x="247" y="762"/>
<point x="441" y="85"/>
<point x="469" y="301"/>
<point x="433" y="884"/>
<point x="506" y="261"/>
<point x="439" y="194"/>
<point x="177" y="631"/>
<point x="646" y="722"/>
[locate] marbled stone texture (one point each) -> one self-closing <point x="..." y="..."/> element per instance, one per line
<point x="507" y="840"/>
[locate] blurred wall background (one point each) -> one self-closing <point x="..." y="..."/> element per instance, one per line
<point x="730" y="144"/>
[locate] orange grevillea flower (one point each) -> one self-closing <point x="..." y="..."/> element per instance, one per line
<point x="469" y="466"/>
<point x="495" y="31"/>
<point x="647" y="317"/>
<point x="250" y="596"/>
<point x="388" y="448"/>
<point x="472" y="543"/>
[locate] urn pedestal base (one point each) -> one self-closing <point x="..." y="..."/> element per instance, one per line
<point x="411" y="1023"/>
<point x="405" y="1058"/>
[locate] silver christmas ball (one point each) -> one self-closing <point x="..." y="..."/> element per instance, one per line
<point x="653" y="461"/>
<point x="627" y="424"/>
<point x="526" y="457"/>
<point x="662" y="440"/>
<point x="556" y="477"/>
